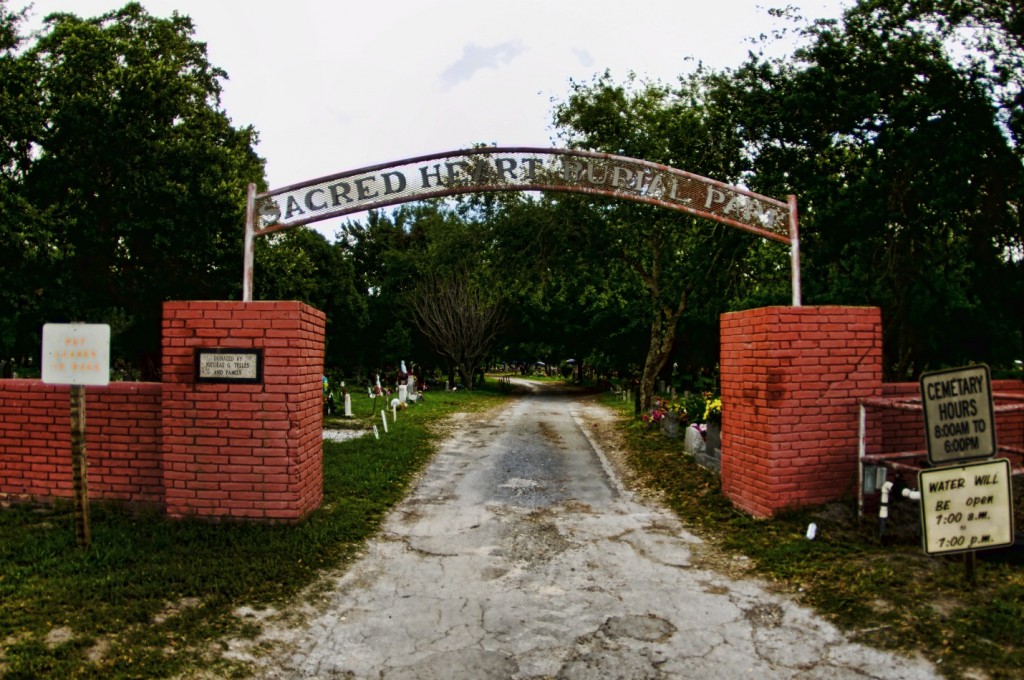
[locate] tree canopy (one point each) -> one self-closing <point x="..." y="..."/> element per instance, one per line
<point x="908" y="175"/>
<point x="134" y="192"/>
<point x="898" y="126"/>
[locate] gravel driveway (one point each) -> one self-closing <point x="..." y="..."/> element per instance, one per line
<point x="520" y="555"/>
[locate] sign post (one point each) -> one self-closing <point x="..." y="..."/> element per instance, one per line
<point x="80" y="467"/>
<point x="77" y="355"/>
<point x="964" y="506"/>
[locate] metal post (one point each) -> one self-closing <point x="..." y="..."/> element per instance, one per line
<point x="79" y="467"/>
<point x="862" y="449"/>
<point x="794" y="249"/>
<point x="249" y="246"/>
<point x="970" y="560"/>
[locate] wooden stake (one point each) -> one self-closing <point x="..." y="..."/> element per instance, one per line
<point x="80" y="467"/>
<point x="970" y="560"/>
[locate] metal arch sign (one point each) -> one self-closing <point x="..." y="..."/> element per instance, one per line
<point x="517" y="169"/>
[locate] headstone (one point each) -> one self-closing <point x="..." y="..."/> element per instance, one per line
<point x="693" y="443"/>
<point x="670" y="425"/>
<point x="711" y="455"/>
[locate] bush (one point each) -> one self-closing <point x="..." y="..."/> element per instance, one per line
<point x="695" y="407"/>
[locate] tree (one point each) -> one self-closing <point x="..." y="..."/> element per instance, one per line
<point x="459" y="315"/>
<point x="383" y="252"/>
<point x="988" y="35"/>
<point x="24" y="256"/>
<point x="568" y="296"/>
<point x="139" y="172"/>
<point x="299" y="264"/>
<point x="427" y="269"/>
<point x="909" y="183"/>
<point x="670" y="255"/>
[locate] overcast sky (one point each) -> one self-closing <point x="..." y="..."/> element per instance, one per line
<point x="338" y="85"/>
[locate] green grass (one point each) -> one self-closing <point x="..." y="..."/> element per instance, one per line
<point x="888" y="594"/>
<point x="154" y="597"/>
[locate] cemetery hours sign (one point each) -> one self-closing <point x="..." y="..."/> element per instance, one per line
<point x="966" y="507"/>
<point x="226" y="365"/>
<point x="958" y="414"/>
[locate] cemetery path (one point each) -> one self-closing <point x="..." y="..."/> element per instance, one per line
<point x="519" y="554"/>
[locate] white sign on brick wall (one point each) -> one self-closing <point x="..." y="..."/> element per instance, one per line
<point x="76" y="354"/>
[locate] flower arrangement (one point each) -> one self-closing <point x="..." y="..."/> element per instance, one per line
<point x="678" y="409"/>
<point x="652" y="419"/>
<point x="663" y="409"/>
<point x="713" y="409"/>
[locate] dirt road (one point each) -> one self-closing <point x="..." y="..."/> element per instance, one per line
<point x="520" y="555"/>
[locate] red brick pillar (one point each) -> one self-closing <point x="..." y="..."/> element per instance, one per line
<point x="791" y="381"/>
<point x="246" y="451"/>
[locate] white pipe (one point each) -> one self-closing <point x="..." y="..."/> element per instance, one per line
<point x="911" y="494"/>
<point x="883" y="507"/>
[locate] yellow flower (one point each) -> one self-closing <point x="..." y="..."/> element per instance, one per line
<point x="713" y="409"/>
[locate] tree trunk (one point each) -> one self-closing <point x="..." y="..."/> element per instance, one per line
<point x="466" y="374"/>
<point x="663" y="335"/>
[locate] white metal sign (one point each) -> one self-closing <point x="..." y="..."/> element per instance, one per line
<point x="76" y="354"/>
<point x="958" y="414"/>
<point x="966" y="507"/>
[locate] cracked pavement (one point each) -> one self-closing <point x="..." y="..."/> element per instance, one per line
<point x="519" y="554"/>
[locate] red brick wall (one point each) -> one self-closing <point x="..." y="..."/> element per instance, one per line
<point x="791" y="381"/>
<point x="192" y="449"/>
<point x="244" y="451"/>
<point x="122" y="435"/>
<point x="891" y="430"/>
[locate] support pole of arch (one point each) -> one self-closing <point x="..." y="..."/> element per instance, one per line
<point x="794" y="249"/>
<point x="249" y="247"/>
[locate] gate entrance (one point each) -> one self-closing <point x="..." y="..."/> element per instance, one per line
<point x="517" y="169"/>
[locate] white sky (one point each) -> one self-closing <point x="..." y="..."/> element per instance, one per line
<point x="339" y="85"/>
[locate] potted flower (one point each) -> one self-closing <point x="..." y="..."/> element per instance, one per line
<point x="675" y="415"/>
<point x="652" y="419"/>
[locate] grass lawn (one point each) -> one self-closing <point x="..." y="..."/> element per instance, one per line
<point x="154" y="597"/>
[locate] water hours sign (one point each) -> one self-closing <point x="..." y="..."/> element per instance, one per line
<point x="966" y="507"/>
<point x="958" y="414"/>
